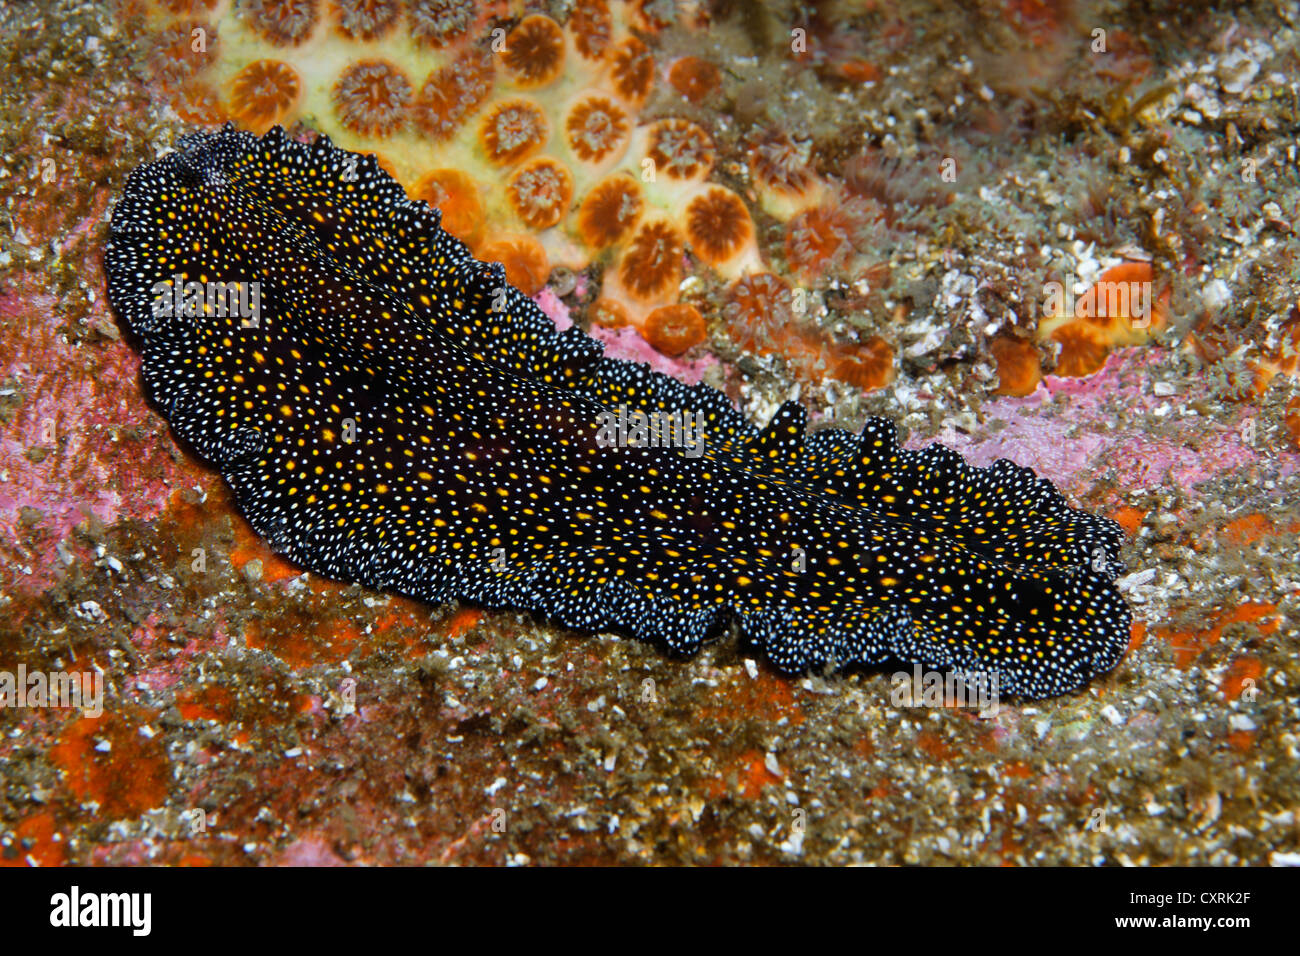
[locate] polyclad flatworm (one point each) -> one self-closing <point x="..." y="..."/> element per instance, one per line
<point x="389" y="411"/>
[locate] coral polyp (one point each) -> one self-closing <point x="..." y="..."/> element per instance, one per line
<point x="777" y="164"/>
<point x="373" y="98"/>
<point x="786" y="184"/>
<point x="718" y="225"/>
<point x="610" y="211"/>
<point x="592" y="27"/>
<point x="868" y="367"/>
<point x="680" y="149"/>
<point x="820" y="239"/>
<point x="200" y="103"/>
<point x="1019" y="367"/>
<point x="756" y="305"/>
<point x="439" y="23"/>
<point x="541" y="191"/>
<point x="512" y="130"/>
<point x="608" y="313"/>
<point x="694" y="78"/>
<point x="365" y="19"/>
<point x="1081" y="353"/>
<point x="171" y="55"/>
<point x="452" y="93"/>
<point x="263" y="92"/>
<point x="673" y="329"/>
<point x="525" y="261"/>
<point x="632" y="69"/>
<point x="534" y="51"/>
<point x="652" y="263"/>
<point x="761" y="316"/>
<point x="282" y="22"/>
<point x="456" y="194"/>
<point x="1120" y="308"/>
<point x="596" y="128"/>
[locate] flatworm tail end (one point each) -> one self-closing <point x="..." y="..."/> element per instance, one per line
<point x="388" y="410"/>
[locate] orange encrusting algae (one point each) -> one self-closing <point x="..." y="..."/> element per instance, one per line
<point x="1129" y="518"/>
<point x="306" y="634"/>
<point x="1291" y="421"/>
<point x="1247" y="529"/>
<point x="41" y="842"/>
<point x="1243" y="674"/>
<point x="108" y="761"/>
<point x="1188" y="645"/>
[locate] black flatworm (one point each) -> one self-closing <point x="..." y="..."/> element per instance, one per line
<point x="389" y="411"/>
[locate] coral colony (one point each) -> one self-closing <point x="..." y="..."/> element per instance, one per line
<point x="528" y="139"/>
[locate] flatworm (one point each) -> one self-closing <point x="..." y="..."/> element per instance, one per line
<point x="389" y="411"/>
